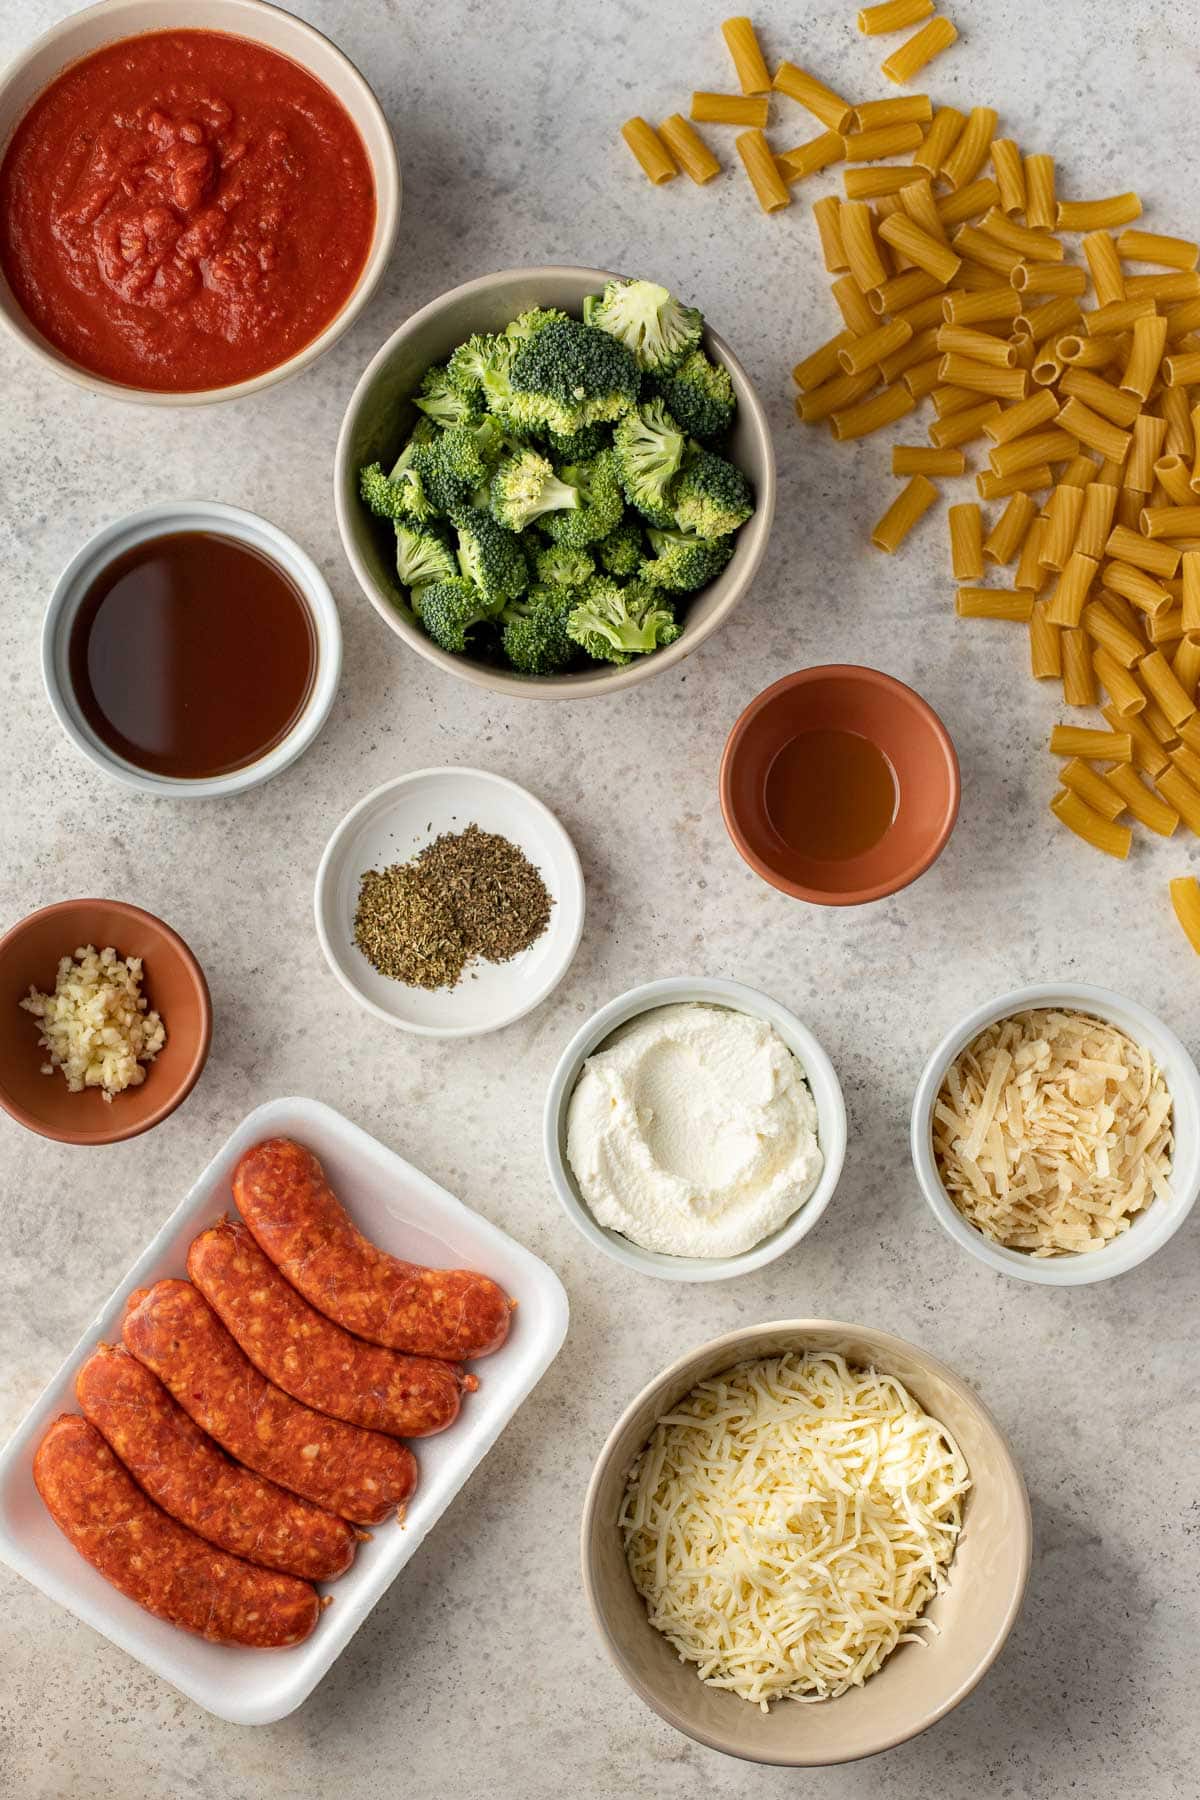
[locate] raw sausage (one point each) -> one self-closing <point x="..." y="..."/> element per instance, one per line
<point x="310" y="1357"/>
<point x="361" y="1475"/>
<point x="166" y="1568"/>
<point x="181" y="1469"/>
<point x="282" y="1194"/>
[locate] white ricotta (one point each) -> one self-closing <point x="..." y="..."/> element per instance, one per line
<point x="693" y="1131"/>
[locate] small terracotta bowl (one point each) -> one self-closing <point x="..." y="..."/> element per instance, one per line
<point x="843" y="697"/>
<point x="173" y="983"/>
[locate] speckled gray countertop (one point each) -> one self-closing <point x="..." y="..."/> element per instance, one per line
<point x="478" y="1675"/>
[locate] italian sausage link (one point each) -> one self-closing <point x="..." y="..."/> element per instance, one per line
<point x="185" y="1473"/>
<point x="310" y="1357"/>
<point x="154" y="1560"/>
<point x="282" y="1194"/>
<point x="360" y="1475"/>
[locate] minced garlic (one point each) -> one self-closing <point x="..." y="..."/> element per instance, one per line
<point x="95" y="1024"/>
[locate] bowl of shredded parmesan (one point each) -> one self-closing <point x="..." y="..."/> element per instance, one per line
<point x="805" y="1542"/>
<point x="1056" y="1134"/>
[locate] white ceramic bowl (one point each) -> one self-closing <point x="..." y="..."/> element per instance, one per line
<point x="826" y="1092"/>
<point x="157" y="521"/>
<point x="86" y="31"/>
<point x="1161" y="1219"/>
<point x="390" y="825"/>
<point x="379" y="418"/>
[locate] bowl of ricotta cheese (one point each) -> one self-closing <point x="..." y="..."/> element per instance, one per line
<point x="694" y="1129"/>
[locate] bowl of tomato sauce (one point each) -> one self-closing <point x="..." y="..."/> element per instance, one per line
<point x="196" y="200"/>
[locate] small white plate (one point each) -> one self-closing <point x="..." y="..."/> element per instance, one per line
<point x="398" y="1208"/>
<point x="390" y="826"/>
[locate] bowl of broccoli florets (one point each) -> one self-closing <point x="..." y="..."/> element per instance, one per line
<point x="555" y="481"/>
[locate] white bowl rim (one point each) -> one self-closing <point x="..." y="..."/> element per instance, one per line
<point x="388" y="197"/>
<point x="551" y="822"/>
<point x="738" y="997"/>
<point x="741" y="1340"/>
<point x="551" y="687"/>
<point x="1145" y="1235"/>
<point x="225" y="521"/>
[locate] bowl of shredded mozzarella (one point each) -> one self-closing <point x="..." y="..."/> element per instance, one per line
<point x="805" y="1542"/>
<point x="1056" y="1134"/>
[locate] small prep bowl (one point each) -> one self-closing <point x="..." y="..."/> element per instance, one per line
<point x="173" y="983"/>
<point x="1161" y="1219"/>
<point x="843" y="697"/>
<point x="72" y="587"/>
<point x="84" y="32"/>
<point x="919" y="1683"/>
<point x="378" y="420"/>
<point x="822" y="1080"/>
<point x="391" y="825"/>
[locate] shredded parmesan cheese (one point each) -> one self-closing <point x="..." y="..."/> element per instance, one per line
<point x="1052" y="1131"/>
<point x="789" y="1521"/>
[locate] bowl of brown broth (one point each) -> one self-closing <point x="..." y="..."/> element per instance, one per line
<point x="839" y="785"/>
<point x="191" y="650"/>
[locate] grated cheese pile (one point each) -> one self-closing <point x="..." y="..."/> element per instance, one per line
<point x="788" y="1522"/>
<point x="1051" y="1131"/>
<point x="95" y="1024"/>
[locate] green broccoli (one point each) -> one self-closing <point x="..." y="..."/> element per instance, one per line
<point x="527" y="324"/>
<point x="621" y="552"/>
<point x="700" y="395"/>
<point x="518" y="415"/>
<point x="560" y="566"/>
<point x="601" y="503"/>
<point x="712" y="497"/>
<point x="490" y="557"/>
<point x="525" y="487"/>
<point x="614" y="624"/>
<point x="444" y="402"/>
<point x="449" y="610"/>
<point x="655" y="327"/>
<point x="577" y="446"/>
<point x="468" y="365"/>
<point x="684" y="562"/>
<point x="570" y="376"/>
<point x="535" y="638"/>
<point x="457" y="465"/>
<point x="400" y="495"/>
<point x="422" y="556"/>
<point x="649" y="449"/>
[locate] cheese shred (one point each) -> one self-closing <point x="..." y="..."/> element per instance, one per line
<point x="789" y="1521"/>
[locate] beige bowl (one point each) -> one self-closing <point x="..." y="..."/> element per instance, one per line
<point x="378" y="420"/>
<point x="86" y="31"/>
<point x="918" y="1684"/>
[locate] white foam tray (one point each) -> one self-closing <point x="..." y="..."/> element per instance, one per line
<point x="404" y="1212"/>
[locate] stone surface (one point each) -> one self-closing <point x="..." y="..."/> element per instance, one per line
<point x="479" y="1674"/>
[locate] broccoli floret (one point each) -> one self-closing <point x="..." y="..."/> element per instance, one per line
<point x="535" y="638"/>
<point x="442" y="401"/>
<point x="490" y="557"/>
<point x="450" y="610"/>
<point x="560" y="566"/>
<point x="649" y="449"/>
<point x="700" y="395"/>
<point x="655" y="327"/>
<point x="621" y="552"/>
<point x="601" y="503"/>
<point x="457" y="464"/>
<point x="572" y="376"/>
<point x="422" y="555"/>
<point x="423" y="432"/>
<point x="525" y="487"/>
<point x="613" y="623"/>
<point x="527" y="324"/>
<point x="684" y="562"/>
<point x="468" y="365"/>
<point x="712" y="497"/>
<point x="400" y="495"/>
<point x="577" y="446"/>
<point x="518" y="415"/>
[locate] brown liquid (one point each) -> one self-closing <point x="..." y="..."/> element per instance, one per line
<point x="830" y="794"/>
<point x="192" y="655"/>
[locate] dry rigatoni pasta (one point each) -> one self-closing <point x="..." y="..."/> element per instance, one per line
<point x="1110" y="402"/>
<point x="970" y="202"/>
<point x="877" y="184"/>
<point x="970" y="153"/>
<point x="863" y="352"/>
<point x="906" y="509"/>
<point x="966" y="541"/>
<point x="1091" y="826"/>
<point x="730" y="109"/>
<point x="1010" y="174"/>
<point x="994" y="603"/>
<point x="916" y="459"/>
<point x="1045" y="645"/>
<point x="1153" y="247"/>
<point x="990" y="486"/>
<point x="897" y="109"/>
<point x="752" y="74"/>
<point x="828" y="216"/>
<point x="1108" y="277"/>
<point x="881" y="142"/>
<point x="928" y="253"/>
<point x="1071" y="592"/>
<point x="656" y="160"/>
<point x="689" y="149"/>
<point x="861" y="246"/>
<point x="813" y="95"/>
<point x="940" y="139"/>
<point x="991" y="306"/>
<point x="881" y="409"/>
<point x="1147" y="808"/>
<point x="1078" y="676"/>
<point x="809" y="158"/>
<point x="1093" y="787"/>
<point x="893" y="15"/>
<point x="1095" y="518"/>
<point x="1041" y="208"/>
<point x="759" y="163"/>
<point x="1092" y="746"/>
<point x="962" y="425"/>
<point x="1123" y="689"/>
<point x="1185" y="902"/>
<point x="1098" y="215"/>
<point x="1145" y="356"/>
<point x="1008" y="533"/>
<point x="919" y="50"/>
<point x="1164" y="687"/>
<point x="1097" y="433"/>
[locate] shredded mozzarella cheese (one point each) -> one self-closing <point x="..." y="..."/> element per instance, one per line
<point x="789" y="1521"/>
<point x="1052" y="1131"/>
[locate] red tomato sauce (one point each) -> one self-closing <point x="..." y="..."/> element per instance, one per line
<point x="184" y="210"/>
